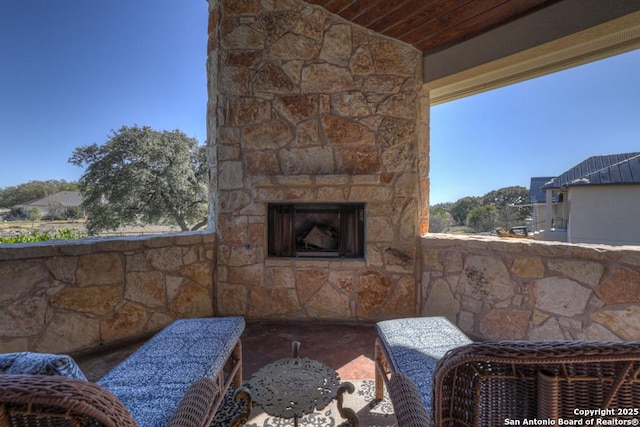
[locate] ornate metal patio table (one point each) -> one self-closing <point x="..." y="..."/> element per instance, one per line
<point x="297" y="386"/>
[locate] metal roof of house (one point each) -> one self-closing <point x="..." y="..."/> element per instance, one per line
<point x="609" y="169"/>
<point x="536" y="193"/>
<point x="65" y="198"/>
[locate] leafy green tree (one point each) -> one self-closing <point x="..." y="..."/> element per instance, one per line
<point x="482" y="218"/>
<point x="508" y="202"/>
<point x="439" y="219"/>
<point x="33" y="214"/>
<point x="143" y="176"/>
<point x="460" y="209"/>
<point x="32" y="190"/>
<point x="74" y="212"/>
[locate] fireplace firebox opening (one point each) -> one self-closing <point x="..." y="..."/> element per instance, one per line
<point x="316" y="230"/>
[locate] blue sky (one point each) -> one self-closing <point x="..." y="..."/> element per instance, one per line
<point x="541" y="127"/>
<point x="74" y="70"/>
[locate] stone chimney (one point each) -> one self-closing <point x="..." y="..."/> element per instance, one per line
<point x="305" y="107"/>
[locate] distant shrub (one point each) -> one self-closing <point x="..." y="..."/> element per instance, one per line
<point x="36" y="236"/>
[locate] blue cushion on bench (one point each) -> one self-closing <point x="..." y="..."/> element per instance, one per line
<point x="29" y="363"/>
<point x="152" y="381"/>
<point x="414" y="346"/>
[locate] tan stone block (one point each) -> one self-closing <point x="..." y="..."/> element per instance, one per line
<point x="165" y="259"/>
<point x="371" y="194"/>
<point x="277" y="24"/>
<point x="358" y="159"/>
<point x="233" y="230"/>
<point x="597" y="332"/>
<point x="193" y="300"/>
<point x="292" y="46"/>
<point x="301" y="194"/>
<point x="394" y="57"/>
<point x="528" y="267"/>
<point x="311" y="25"/>
<point x="129" y="321"/>
<point x="586" y="272"/>
<point x="243" y="37"/>
<point x="241" y="7"/>
<point x="296" y="108"/>
<point x="67" y="333"/>
<point x="624" y="322"/>
<point x="271" y="135"/>
<point x="233" y="201"/>
<point x="452" y="262"/>
<point x="243" y="58"/>
<point x="344" y="131"/>
<point x="441" y="302"/>
<point x="402" y="105"/>
<point x="233" y="81"/>
<point x="549" y="330"/>
<point x="270" y="302"/>
<point x="395" y="131"/>
<point x="96" y="300"/>
<point x="373" y="290"/>
<point x="232" y="300"/>
<point x="18" y="277"/>
<point x="623" y="286"/>
<point x="560" y="296"/>
<point x="100" y="269"/>
<point x="402" y="301"/>
<point x="343" y="280"/>
<point x="273" y="80"/>
<point x="261" y="163"/>
<point x="351" y="104"/>
<point x="399" y="259"/>
<point x="505" y="324"/>
<point x="329" y="303"/>
<point x="247" y="111"/>
<point x="14" y="345"/>
<point x="326" y="78"/>
<point x="380" y="229"/>
<point x="431" y="260"/>
<point x="539" y="317"/>
<point x="247" y="275"/>
<point x="486" y="277"/>
<point x="23" y="318"/>
<point x="308" y="282"/>
<point x="62" y="268"/>
<point x="280" y="277"/>
<point x="401" y="158"/>
<point x="147" y="288"/>
<point x="307" y="161"/>
<point x="241" y="255"/>
<point x="307" y="134"/>
<point x="336" y="46"/>
<point x="332" y="194"/>
<point x="383" y="84"/>
<point x="408" y="222"/>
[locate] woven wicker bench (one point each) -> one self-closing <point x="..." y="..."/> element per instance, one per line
<point x="177" y="378"/>
<point x="507" y="382"/>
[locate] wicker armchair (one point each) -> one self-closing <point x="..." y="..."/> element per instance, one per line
<point x="56" y="401"/>
<point x="489" y="383"/>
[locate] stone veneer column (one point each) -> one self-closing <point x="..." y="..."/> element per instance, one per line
<point x="307" y="107"/>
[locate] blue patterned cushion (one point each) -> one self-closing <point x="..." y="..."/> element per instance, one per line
<point x="415" y="345"/>
<point x="152" y="381"/>
<point x="40" y="364"/>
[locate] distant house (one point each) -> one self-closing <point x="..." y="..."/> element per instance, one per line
<point x="55" y="205"/>
<point x="596" y="201"/>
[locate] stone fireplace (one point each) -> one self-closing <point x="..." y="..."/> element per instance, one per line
<point x="319" y="230"/>
<point x="316" y="118"/>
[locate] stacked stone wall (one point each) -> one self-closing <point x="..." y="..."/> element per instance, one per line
<point x="307" y="107"/>
<point x="67" y="296"/>
<point x="522" y="289"/>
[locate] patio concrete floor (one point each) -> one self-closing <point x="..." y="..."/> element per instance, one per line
<point x="345" y="347"/>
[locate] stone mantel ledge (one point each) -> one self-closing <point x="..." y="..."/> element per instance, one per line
<point x="620" y="254"/>
<point x="53" y="248"/>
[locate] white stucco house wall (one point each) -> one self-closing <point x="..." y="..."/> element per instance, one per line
<point x="596" y="201"/>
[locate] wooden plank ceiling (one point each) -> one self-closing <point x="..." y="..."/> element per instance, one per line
<point x="431" y="25"/>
